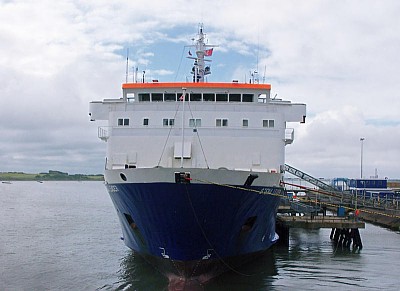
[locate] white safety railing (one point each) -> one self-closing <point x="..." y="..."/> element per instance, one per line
<point x="104" y="132"/>
<point x="289" y="135"/>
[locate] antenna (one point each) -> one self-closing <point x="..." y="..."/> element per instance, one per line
<point x="265" y="70"/>
<point x="127" y="64"/>
<point x="258" y="51"/>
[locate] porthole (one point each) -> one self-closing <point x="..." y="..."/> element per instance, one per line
<point x="249" y="223"/>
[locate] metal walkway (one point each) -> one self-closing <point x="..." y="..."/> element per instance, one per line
<point x="308" y="178"/>
<point x="332" y="195"/>
<point x="331" y="198"/>
<point x="302" y="214"/>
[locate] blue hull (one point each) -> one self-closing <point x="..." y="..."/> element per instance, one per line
<point x="192" y="222"/>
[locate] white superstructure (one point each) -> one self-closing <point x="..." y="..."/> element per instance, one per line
<point x="230" y="125"/>
<point x="217" y="125"/>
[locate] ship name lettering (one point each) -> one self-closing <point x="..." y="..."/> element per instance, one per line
<point x="112" y="188"/>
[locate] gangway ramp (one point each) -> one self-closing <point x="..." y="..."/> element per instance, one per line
<point x="308" y="178"/>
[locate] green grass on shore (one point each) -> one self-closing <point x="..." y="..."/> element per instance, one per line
<point x="50" y="176"/>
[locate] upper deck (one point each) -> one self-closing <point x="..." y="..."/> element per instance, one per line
<point x="209" y="92"/>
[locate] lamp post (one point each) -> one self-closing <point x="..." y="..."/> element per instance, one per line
<point x="361" y="164"/>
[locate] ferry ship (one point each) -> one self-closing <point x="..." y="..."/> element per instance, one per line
<point x="194" y="169"/>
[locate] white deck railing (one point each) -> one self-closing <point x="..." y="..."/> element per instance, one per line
<point x="289" y="135"/>
<point x="103" y="132"/>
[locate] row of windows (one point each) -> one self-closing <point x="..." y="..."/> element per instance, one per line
<point x="219" y="122"/>
<point x="123" y="121"/>
<point x="269" y="123"/>
<point x="211" y="97"/>
<point x="168" y="122"/>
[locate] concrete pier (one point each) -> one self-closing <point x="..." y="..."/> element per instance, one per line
<point x="315" y="222"/>
<point x="345" y="230"/>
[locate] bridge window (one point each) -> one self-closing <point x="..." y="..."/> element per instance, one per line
<point x="270" y="123"/>
<point x="247" y="97"/>
<point x="123" y="121"/>
<point x="145" y="121"/>
<point x="195" y="97"/>
<point x="209" y="97"/>
<point x="234" y="97"/>
<point x="156" y="97"/>
<point x="170" y="96"/>
<point x="245" y="122"/>
<point x="222" y="97"/>
<point x="180" y="97"/>
<point x="144" y="97"/>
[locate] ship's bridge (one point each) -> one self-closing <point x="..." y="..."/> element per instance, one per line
<point x="196" y="92"/>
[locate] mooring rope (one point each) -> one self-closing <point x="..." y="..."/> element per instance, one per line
<point x="209" y="242"/>
<point x="302" y="187"/>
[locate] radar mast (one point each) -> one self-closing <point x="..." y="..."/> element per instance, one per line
<point x="200" y="69"/>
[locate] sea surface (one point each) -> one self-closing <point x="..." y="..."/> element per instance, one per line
<point x="66" y="236"/>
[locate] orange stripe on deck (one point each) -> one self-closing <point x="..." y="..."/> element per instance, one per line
<point x="195" y="85"/>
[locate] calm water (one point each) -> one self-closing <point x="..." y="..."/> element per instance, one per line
<point x="66" y="236"/>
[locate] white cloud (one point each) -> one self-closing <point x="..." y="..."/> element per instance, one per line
<point x="329" y="145"/>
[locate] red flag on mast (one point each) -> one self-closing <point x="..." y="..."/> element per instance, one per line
<point x="208" y="53"/>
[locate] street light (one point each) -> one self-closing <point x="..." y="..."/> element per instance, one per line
<point x="362" y="143"/>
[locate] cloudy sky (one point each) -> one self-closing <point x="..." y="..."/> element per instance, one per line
<point x="341" y="58"/>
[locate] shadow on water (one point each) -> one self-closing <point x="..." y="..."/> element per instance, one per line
<point x="256" y="275"/>
<point x="137" y="274"/>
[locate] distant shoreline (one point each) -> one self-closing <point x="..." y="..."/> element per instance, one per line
<point x="50" y="176"/>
